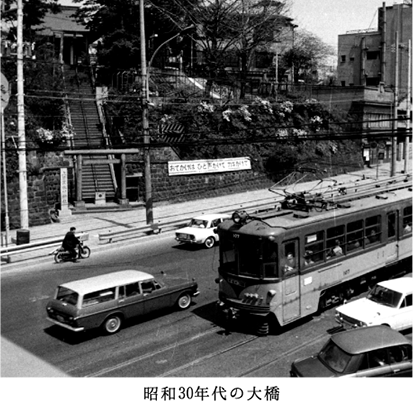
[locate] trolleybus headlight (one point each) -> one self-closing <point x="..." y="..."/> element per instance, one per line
<point x="239" y="217"/>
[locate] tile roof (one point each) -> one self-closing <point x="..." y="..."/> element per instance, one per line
<point x="62" y="22"/>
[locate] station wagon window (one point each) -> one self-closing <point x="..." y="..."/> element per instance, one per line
<point x="378" y="358"/>
<point x="67" y="295"/>
<point x="335" y="239"/>
<point x="354" y="235"/>
<point x="314" y="248"/>
<point x="100" y="296"/>
<point x="372" y="230"/>
<point x="148" y="287"/>
<point x="132" y="289"/>
<point x="407" y="220"/>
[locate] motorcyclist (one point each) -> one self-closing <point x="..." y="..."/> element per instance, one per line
<point x="70" y="242"/>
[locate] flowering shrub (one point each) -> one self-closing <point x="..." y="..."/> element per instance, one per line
<point x="264" y="104"/>
<point x="299" y="133"/>
<point x="286" y="107"/>
<point x="245" y="112"/>
<point x="226" y="114"/>
<point x="315" y="122"/>
<point x="205" y="107"/>
<point x="54" y="137"/>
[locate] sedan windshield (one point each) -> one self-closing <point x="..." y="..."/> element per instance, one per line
<point x="334" y="357"/>
<point x="384" y="296"/>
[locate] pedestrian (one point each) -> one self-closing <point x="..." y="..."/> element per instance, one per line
<point x="70" y="242"/>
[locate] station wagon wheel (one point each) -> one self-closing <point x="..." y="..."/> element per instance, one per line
<point x="184" y="301"/>
<point x="112" y="324"/>
<point x="209" y="242"/>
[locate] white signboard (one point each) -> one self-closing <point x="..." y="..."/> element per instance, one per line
<point x="206" y="166"/>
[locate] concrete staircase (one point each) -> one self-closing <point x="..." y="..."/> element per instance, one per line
<point x="96" y="178"/>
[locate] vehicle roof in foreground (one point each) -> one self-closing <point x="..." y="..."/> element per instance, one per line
<point x="369" y="338"/>
<point x="107" y="281"/>
<point x="401" y="285"/>
<point x="211" y="216"/>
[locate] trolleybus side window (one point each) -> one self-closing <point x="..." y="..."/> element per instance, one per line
<point x="335" y="239"/>
<point x="354" y="235"/>
<point x="407" y="220"/>
<point x="289" y="258"/>
<point x="372" y="230"/>
<point x="269" y="259"/>
<point x="314" y="248"/>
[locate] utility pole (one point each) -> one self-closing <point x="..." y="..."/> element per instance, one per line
<point x="395" y="115"/>
<point x="24" y="208"/>
<point x="407" y="114"/>
<point x="145" y="117"/>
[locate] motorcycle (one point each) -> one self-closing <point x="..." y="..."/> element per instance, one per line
<point x="62" y="255"/>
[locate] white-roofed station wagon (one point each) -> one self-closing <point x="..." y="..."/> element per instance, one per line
<point x="108" y="300"/>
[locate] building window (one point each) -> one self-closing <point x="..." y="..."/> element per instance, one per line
<point x="343" y="83"/>
<point x="343" y="59"/>
<point x="372" y="55"/>
<point x="351" y="58"/>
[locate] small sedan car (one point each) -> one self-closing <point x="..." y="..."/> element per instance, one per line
<point x="388" y="303"/>
<point x="374" y="351"/>
<point x="106" y="301"/>
<point x="201" y="230"/>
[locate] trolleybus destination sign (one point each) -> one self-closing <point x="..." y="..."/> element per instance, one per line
<point x="204" y="166"/>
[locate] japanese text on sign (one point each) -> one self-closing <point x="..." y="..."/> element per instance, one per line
<point x="204" y="166"/>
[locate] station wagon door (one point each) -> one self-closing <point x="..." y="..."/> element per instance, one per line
<point x="155" y="297"/>
<point x="131" y="300"/>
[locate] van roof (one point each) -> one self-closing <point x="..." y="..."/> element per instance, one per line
<point x="402" y="285"/>
<point x="107" y="281"/>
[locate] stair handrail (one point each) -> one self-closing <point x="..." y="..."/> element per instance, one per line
<point x="86" y="127"/>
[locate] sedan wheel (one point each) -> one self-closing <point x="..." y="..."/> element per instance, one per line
<point x="184" y="301"/>
<point x="112" y="324"/>
<point x="210" y="241"/>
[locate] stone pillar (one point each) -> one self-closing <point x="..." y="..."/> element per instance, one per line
<point x="64" y="204"/>
<point x="79" y="203"/>
<point x="123" y="201"/>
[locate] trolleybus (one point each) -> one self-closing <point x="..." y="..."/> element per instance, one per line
<point x="280" y="265"/>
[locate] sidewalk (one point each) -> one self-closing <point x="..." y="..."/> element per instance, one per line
<point x="116" y="221"/>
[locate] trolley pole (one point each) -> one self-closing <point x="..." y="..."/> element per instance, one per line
<point x="24" y="208"/>
<point x="407" y="114"/>
<point x="395" y="115"/>
<point x="145" y="118"/>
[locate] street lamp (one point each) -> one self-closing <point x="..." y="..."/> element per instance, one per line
<point x="145" y="76"/>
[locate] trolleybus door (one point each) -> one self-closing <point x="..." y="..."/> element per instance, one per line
<point x="290" y="280"/>
<point x="391" y="236"/>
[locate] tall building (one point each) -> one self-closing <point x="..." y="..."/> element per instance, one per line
<point x="368" y="57"/>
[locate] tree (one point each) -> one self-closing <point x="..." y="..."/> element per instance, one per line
<point x="308" y="53"/>
<point x="225" y="27"/>
<point x="34" y="12"/>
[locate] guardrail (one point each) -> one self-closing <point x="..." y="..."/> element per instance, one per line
<point x="110" y="237"/>
<point x="5" y="253"/>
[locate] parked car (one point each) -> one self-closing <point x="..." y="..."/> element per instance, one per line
<point x="201" y="230"/>
<point x="388" y="303"/>
<point x="107" y="300"/>
<point x="374" y="351"/>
